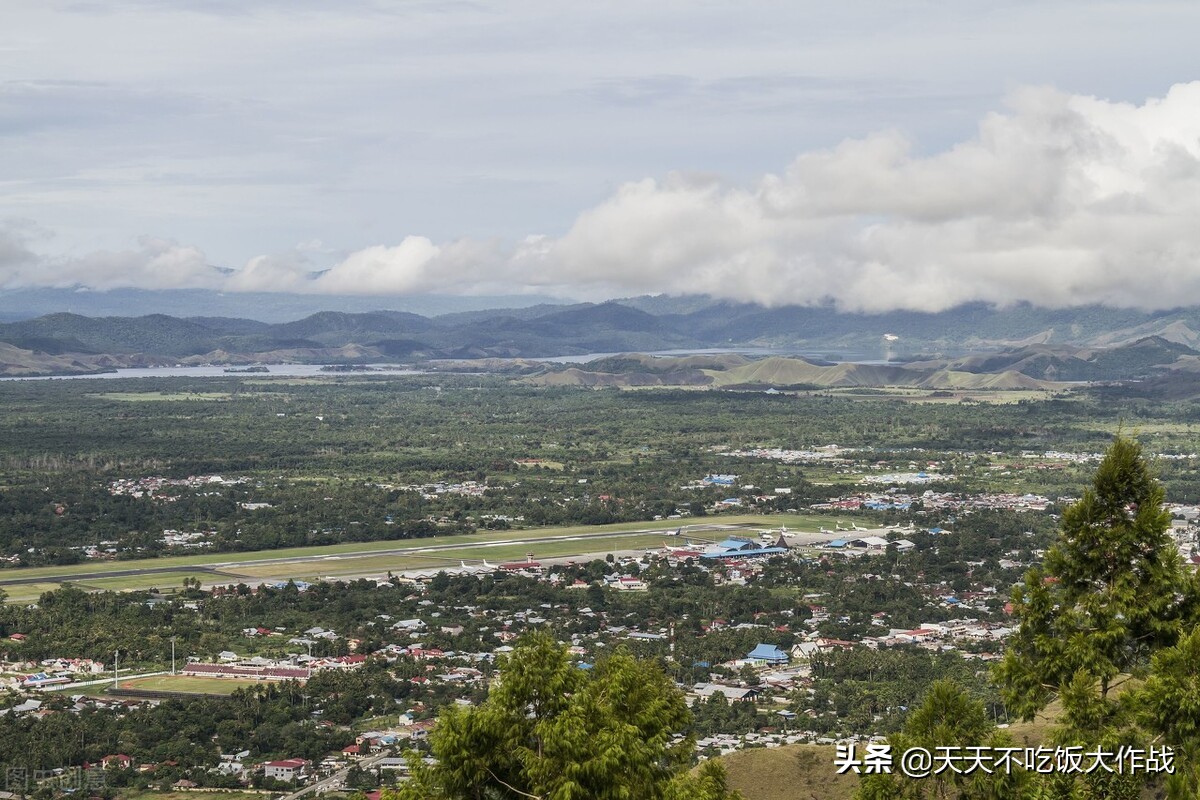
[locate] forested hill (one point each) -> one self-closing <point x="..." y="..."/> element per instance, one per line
<point x="1064" y="344"/>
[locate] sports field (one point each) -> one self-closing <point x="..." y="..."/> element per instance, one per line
<point x="189" y="684"/>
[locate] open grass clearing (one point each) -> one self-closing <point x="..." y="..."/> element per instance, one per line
<point x="790" y="772"/>
<point x="143" y="397"/>
<point x="167" y="581"/>
<point x="27" y="592"/>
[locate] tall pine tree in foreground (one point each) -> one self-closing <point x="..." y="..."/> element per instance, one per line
<point x="948" y="717"/>
<point x="1098" y="622"/>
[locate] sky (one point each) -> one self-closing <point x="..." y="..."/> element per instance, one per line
<point x="878" y="155"/>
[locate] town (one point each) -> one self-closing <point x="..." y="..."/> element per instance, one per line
<point x="766" y="632"/>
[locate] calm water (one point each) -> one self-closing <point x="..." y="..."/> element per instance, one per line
<point x="311" y="370"/>
<point x="273" y="370"/>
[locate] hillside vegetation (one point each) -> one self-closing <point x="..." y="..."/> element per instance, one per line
<point x="1088" y="343"/>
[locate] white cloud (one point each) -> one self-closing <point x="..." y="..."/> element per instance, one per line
<point x="1058" y="200"/>
<point x="153" y="264"/>
<point x="16" y="258"/>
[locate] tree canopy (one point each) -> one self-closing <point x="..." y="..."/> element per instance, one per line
<point x="1101" y="627"/>
<point x="553" y="731"/>
<point x="1112" y="590"/>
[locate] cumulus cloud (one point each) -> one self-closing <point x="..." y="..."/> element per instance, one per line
<point x="1057" y="200"/>
<point x="1060" y="200"/>
<point x="153" y="264"/>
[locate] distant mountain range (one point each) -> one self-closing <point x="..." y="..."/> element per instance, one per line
<point x="1088" y="343"/>
<point x="19" y="304"/>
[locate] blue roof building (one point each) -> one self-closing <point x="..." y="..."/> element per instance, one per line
<point x="768" y="653"/>
<point x="734" y="543"/>
<point x="733" y="547"/>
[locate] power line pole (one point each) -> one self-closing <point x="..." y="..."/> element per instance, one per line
<point x="116" y="669"/>
<point x="173" y="654"/>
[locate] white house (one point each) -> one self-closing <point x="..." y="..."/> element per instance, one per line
<point x="287" y="770"/>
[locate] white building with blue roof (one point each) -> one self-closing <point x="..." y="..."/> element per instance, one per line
<point x="767" y="654"/>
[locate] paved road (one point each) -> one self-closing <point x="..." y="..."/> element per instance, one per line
<point x="76" y="577"/>
<point x="334" y="781"/>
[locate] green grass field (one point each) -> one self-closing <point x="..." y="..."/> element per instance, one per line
<point x="189" y="684"/>
<point x="27" y="592"/>
<point x="150" y="580"/>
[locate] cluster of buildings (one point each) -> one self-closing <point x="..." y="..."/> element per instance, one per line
<point x="188" y="540"/>
<point x="929" y="500"/>
<point x="47" y="673"/>
<point x="430" y="491"/>
<point x="907" y="478"/>
<point x="830" y="453"/>
<point x="153" y="486"/>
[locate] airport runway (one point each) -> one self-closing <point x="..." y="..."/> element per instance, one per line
<point x="229" y="568"/>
